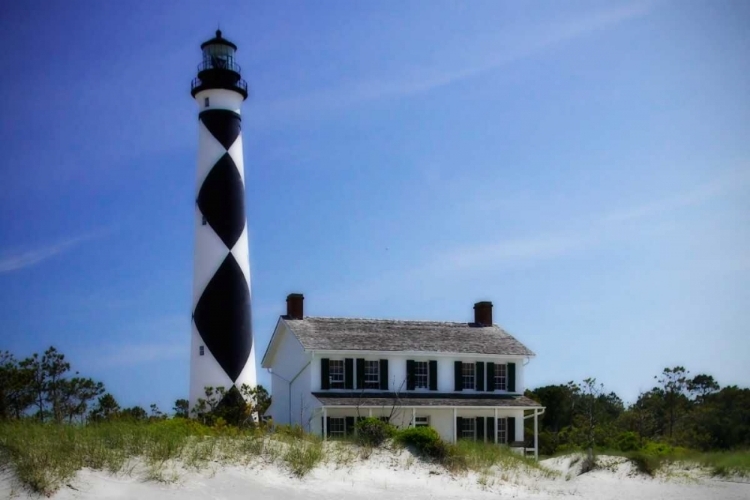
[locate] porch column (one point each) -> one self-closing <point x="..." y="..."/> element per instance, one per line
<point x="455" y="434"/>
<point x="494" y="431"/>
<point x="325" y="424"/>
<point x="369" y="412"/>
<point x="536" y="435"/>
<point x="413" y="417"/>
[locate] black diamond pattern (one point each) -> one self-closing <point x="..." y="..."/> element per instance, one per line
<point x="222" y="317"/>
<point x="221" y="200"/>
<point x="223" y="124"/>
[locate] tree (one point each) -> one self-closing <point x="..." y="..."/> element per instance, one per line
<point x="589" y="409"/>
<point x="646" y="413"/>
<point x="77" y="393"/>
<point x="701" y="386"/>
<point x="257" y="398"/>
<point x="181" y="408"/>
<point x="558" y="401"/>
<point x="135" y="413"/>
<point x="204" y="408"/>
<point x="106" y="408"/>
<point x="156" y="413"/>
<point x="54" y="367"/>
<point x="674" y="384"/>
<point x="37" y="385"/>
<point x="15" y="387"/>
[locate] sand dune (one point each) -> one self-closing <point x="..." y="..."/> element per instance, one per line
<point x="386" y="475"/>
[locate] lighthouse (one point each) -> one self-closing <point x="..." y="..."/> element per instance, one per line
<point x="222" y="347"/>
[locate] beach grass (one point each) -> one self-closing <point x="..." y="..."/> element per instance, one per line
<point x="482" y="457"/>
<point x="725" y="463"/>
<point x="652" y="459"/>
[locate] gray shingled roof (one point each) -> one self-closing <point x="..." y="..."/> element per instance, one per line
<point x="431" y="399"/>
<point x="350" y="334"/>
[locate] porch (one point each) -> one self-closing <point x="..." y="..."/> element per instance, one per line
<point x="495" y="419"/>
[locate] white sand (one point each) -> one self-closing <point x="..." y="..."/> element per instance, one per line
<point x="391" y="477"/>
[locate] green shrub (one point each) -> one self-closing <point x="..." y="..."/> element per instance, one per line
<point x="294" y="431"/>
<point x="645" y="462"/>
<point x="627" y="441"/>
<point x="302" y="457"/>
<point x="373" y="432"/>
<point x="425" y="440"/>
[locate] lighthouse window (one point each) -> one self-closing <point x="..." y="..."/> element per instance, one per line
<point x="201" y="350"/>
<point x="205" y="102"/>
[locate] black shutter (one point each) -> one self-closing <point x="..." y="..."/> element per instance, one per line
<point x="383" y="374"/>
<point x="479" y="425"/>
<point x="348" y="373"/>
<point x="409" y="374"/>
<point x="479" y="384"/>
<point x="459" y="382"/>
<point x="360" y="373"/>
<point x="328" y="426"/>
<point x="433" y="375"/>
<point x="511" y="429"/>
<point x="324" y="379"/>
<point x="322" y="427"/>
<point x="459" y="425"/>
<point x="490" y="377"/>
<point x="511" y="377"/>
<point x="349" y="426"/>
<point x="490" y="429"/>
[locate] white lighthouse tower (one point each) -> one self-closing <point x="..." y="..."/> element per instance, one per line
<point x="222" y="348"/>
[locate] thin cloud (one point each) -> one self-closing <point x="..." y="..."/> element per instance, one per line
<point x="702" y="194"/>
<point x="551" y="246"/>
<point x="138" y="354"/>
<point x="509" y="251"/>
<point x="31" y="258"/>
<point x="163" y="340"/>
<point x="424" y="79"/>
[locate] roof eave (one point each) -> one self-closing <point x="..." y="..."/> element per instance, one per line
<point x="271" y="343"/>
<point x="417" y="353"/>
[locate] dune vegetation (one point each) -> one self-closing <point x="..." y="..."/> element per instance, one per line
<point x="45" y="456"/>
<point x="53" y="424"/>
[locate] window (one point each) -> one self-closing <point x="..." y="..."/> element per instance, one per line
<point x="205" y="102"/>
<point x="502" y="430"/>
<point x="372" y="374"/>
<point x="385" y="420"/>
<point x="201" y="350"/>
<point x="467" y="370"/>
<point x="422" y="422"/>
<point x="501" y="378"/>
<point x="336" y="373"/>
<point x="337" y="427"/>
<point x="421" y="375"/>
<point x="468" y="428"/>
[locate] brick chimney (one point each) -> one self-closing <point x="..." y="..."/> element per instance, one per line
<point x="483" y="313"/>
<point x="294" y="308"/>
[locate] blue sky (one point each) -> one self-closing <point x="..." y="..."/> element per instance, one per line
<point x="584" y="165"/>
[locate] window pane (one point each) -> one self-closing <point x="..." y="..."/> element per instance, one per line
<point x="372" y="374"/>
<point x="468" y="428"/>
<point x="500" y="377"/>
<point x="338" y="426"/>
<point x="421" y="375"/>
<point x="468" y="375"/>
<point x="336" y="373"/>
<point x="502" y="430"/>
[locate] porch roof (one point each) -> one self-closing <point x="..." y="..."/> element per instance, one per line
<point x="377" y="400"/>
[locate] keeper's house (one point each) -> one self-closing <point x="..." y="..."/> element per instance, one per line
<point x="466" y="380"/>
